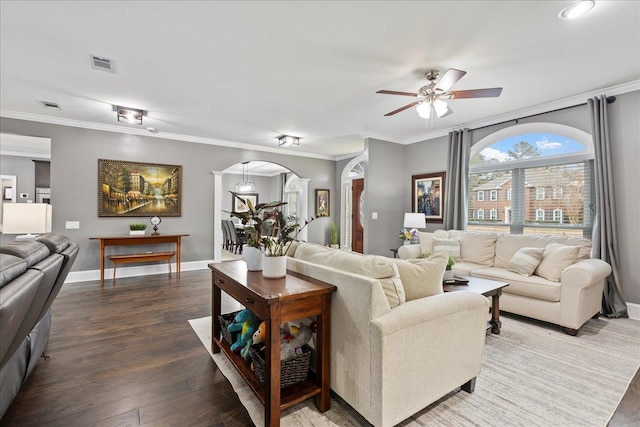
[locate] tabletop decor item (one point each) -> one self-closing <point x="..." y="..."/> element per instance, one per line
<point x="137" y="229"/>
<point x="155" y="221"/>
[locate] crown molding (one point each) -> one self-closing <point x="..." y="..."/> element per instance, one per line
<point x="375" y="135"/>
<point x="537" y="109"/>
<point x="162" y="135"/>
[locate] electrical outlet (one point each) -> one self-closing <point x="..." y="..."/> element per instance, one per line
<point x="374" y="215"/>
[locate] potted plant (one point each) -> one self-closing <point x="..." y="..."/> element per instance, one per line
<point x="335" y="237"/>
<point x="137" y="229"/>
<point x="276" y="245"/>
<point x="252" y="219"/>
<point x="406" y="236"/>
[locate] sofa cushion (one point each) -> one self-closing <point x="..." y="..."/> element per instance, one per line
<point x="441" y="234"/>
<point x="374" y="266"/>
<point x="525" y="261"/>
<point x="422" y="277"/>
<point x="31" y="251"/>
<point x="556" y="258"/>
<point x="465" y="268"/>
<point x="508" y="244"/>
<point x="449" y="246"/>
<point x="10" y="268"/>
<point x="55" y="242"/>
<point x="426" y="242"/>
<point x="532" y="286"/>
<point x="478" y="248"/>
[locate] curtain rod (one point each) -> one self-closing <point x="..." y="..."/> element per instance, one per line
<point x="610" y="100"/>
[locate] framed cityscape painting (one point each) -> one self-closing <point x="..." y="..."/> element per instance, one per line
<point x="138" y="189"/>
<point x="427" y="196"/>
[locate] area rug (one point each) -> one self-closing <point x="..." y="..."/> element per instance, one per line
<point x="532" y="375"/>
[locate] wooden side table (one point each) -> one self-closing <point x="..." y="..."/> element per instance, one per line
<point x="276" y="301"/>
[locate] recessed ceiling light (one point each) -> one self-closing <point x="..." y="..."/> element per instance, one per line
<point x="576" y="9"/>
<point x="51" y="105"/>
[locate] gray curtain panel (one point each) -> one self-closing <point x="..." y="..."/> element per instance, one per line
<point x="457" y="182"/>
<point x="605" y="230"/>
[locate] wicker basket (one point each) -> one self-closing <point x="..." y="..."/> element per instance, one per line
<point x="292" y="370"/>
<point x="225" y="320"/>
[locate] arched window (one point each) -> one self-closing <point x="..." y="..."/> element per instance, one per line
<point x="544" y="171"/>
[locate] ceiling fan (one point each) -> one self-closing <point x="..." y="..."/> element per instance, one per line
<point x="431" y="97"/>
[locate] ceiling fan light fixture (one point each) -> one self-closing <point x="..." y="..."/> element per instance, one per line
<point x="577" y="9"/>
<point x="440" y="106"/>
<point x="424" y="109"/>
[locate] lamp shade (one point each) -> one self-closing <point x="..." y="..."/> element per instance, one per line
<point x="414" y="220"/>
<point x="27" y="218"/>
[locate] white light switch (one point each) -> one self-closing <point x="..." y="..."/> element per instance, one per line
<point x="72" y="225"/>
<point x="374" y="215"/>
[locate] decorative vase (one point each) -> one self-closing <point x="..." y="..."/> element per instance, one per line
<point x="274" y="267"/>
<point x="253" y="257"/>
<point x="407" y="242"/>
<point x="136" y="232"/>
<point x="448" y="274"/>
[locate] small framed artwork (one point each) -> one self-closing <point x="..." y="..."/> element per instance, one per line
<point x="138" y="189"/>
<point x="322" y="202"/>
<point x="427" y="195"/>
<point x="237" y="204"/>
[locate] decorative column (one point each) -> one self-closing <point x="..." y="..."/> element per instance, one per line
<point x="304" y="205"/>
<point x="217" y="216"/>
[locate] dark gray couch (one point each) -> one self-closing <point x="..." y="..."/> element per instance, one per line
<point x="31" y="275"/>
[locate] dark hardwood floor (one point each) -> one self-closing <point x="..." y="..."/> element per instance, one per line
<point x="125" y="355"/>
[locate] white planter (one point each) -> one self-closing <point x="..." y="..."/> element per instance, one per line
<point x="253" y="257"/>
<point x="136" y="232"/>
<point x="448" y="274"/>
<point x="274" y="267"/>
<point x="334" y="246"/>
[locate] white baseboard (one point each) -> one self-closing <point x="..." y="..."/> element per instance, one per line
<point x="633" y="310"/>
<point x="143" y="270"/>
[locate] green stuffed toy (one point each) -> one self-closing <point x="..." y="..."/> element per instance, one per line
<point x="245" y="323"/>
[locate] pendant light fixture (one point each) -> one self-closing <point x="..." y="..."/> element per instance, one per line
<point x="245" y="186"/>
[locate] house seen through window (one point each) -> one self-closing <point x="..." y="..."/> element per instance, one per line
<point x="538" y="178"/>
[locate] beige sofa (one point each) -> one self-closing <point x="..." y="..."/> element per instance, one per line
<point x="564" y="289"/>
<point x="393" y="353"/>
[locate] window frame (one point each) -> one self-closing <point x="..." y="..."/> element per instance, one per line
<point x="478" y="194"/>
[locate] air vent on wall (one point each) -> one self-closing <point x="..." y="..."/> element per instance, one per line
<point x="103" y="64"/>
<point x="51" y="105"/>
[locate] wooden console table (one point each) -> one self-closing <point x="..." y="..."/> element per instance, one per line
<point x="276" y="301"/>
<point x="148" y="239"/>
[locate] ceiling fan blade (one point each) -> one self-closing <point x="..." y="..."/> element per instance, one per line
<point x="449" y="79"/>
<point x="401" y="109"/>
<point x="393" y="92"/>
<point x="476" y="93"/>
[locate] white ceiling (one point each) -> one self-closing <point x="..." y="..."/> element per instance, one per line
<point x="245" y="72"/>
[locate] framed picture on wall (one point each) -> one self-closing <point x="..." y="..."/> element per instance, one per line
<point x="138" y="189"/>
<point x="322" y="202"/>
<point x="427" y="196"/>
<point x="237" y="204"/>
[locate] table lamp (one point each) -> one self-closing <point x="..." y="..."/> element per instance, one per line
<point x="413" y="221"/>
<point x="29" y="218"/>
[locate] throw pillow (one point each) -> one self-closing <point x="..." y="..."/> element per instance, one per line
<point x="556" y="258"/>
<point x="525" y="261"/>
<point x="441" y="234"/>
<point x="422" y="277"/>
<point x="426" y="241"/>
<point x="450" y="246"/>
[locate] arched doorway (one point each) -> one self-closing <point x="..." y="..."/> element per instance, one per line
<point x="352" y="220"/>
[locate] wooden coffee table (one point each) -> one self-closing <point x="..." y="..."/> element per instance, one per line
<point x="488" y="288"/>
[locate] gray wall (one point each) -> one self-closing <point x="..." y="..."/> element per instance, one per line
<point x="267" y="187"/>
<point x="384" y="179"/>
<point x="74" y="183"/>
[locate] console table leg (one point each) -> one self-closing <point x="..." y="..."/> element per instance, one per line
<point x="215" y="312"/>
<point x="323" y="400"/>
<point x="272" y="368"/>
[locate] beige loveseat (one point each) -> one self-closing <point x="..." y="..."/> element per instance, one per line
<point x="393" y="352"/>
<point x="565" y="288"/>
